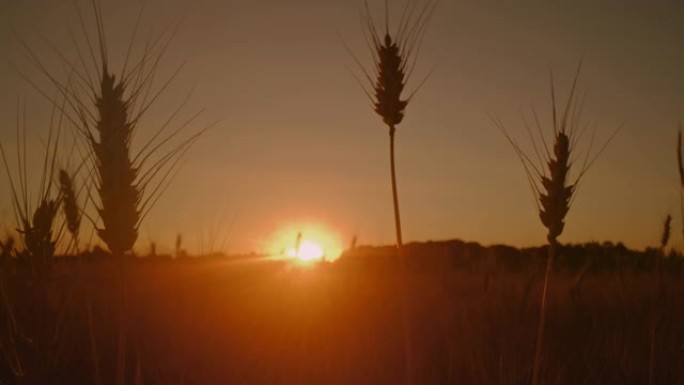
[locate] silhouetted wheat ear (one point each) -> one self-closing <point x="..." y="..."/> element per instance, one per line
<point x="679" y="157"/>
<point x="6" y="249"/>
<point x="38" y="233"/>
<point x="394" y="58"/>
<point x="118" y="191"/>
<point x="547" y="170"/>
<point x="666" y="232"/>
<point x="394" y="55"/>
<point x="555" y="200"/>
<point x="69" y="203"/>
<point x="390" y="83"/>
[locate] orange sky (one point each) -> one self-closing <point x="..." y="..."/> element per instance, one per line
<point x="297" y="141"/>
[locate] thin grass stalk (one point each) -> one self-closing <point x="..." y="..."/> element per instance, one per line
<point x="409" y="357"/>
<point x="658" y="297"/>
<point x="541" y="328"/>
<point x="97" y="372"/>
<point x="122" y="341"/>
<point x="10" y="353"/>
<point x="395" y="194"/>
<point x="680" y="168"/>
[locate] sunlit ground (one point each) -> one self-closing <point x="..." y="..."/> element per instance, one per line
<point x="305" y="243"/>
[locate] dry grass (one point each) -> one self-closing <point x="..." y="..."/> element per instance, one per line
<point x="212" y="321"/>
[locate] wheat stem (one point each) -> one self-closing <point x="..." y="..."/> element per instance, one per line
<point x="536" y="371"/>
<point x="395" y="194"/>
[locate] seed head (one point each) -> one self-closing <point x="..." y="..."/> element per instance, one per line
<point x="394" y="52"/>
<point x="69" y="204"/>
<point x="556" y="195"/>
<point x="38" y="233"/>
<point x="118" y="191"/>
<point x="666" y="232"/>
<point x="390" y="83"/>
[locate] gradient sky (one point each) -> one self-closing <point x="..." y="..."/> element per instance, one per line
<point x="297" y="141"/>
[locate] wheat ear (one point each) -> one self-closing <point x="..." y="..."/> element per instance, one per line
<point x="548" y="175"/>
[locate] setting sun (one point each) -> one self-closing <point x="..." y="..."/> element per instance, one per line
<point x="308" y="251"/>
<point x="305" y="243"/>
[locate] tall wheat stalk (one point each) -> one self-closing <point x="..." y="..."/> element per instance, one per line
<point x="107" y="110"/>
<point x="32" y="318"/>
<point x="394" y="56"/>
<point x="548" y="173"/>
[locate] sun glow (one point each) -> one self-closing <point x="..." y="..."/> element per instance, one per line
<point x="308" y="251"/>
<point x="305" y="243"/>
